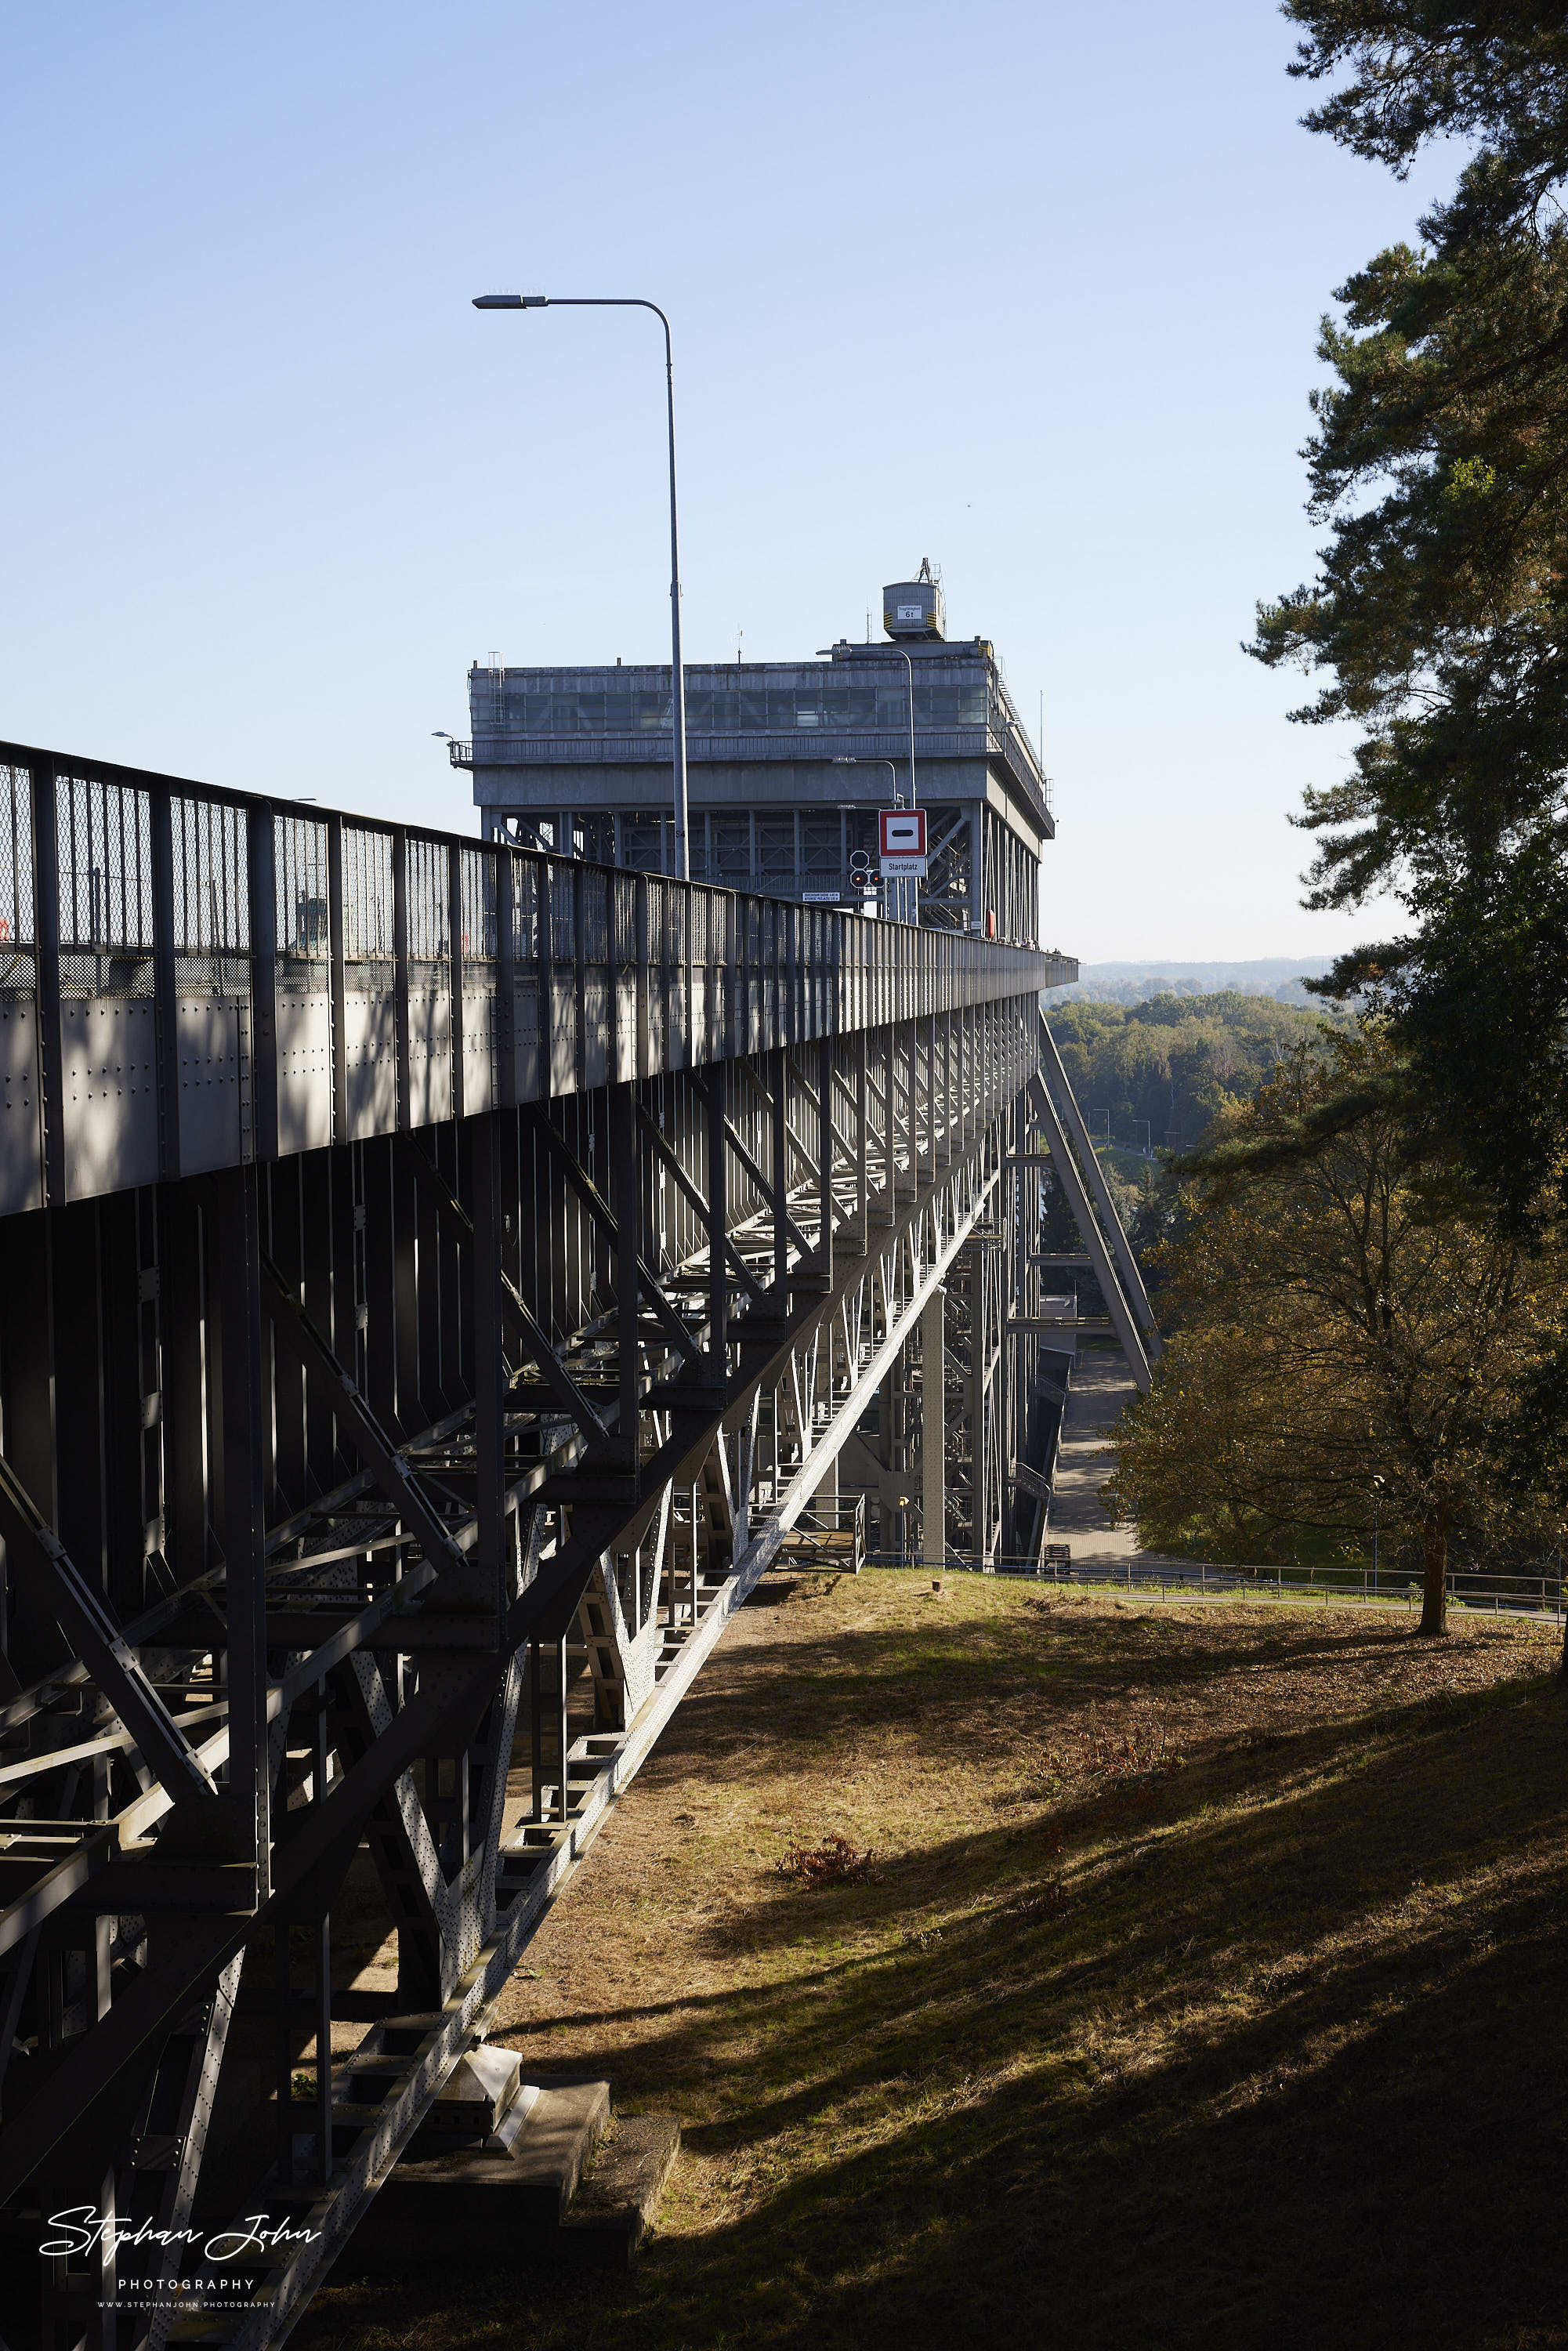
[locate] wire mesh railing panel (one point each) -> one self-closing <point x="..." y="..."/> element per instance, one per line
<point x="104" y="861"/>
<point x="525" y="879"/>
<point x="302" y="909"/>
<point x="429" y="901"/>
<point x="562" y="911"/>
<point x="367" y="895"/>
<point x="17" y="968"/>
<point x="595" y="916"/>
<point x="478" y="881"/>
<point x="623" y="919"/>
<point x="212" y="907"/>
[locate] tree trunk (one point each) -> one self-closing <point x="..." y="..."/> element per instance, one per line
<point x="1434" y="1574"/>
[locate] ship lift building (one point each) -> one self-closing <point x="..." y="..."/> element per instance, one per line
<point x="787" y="764"/>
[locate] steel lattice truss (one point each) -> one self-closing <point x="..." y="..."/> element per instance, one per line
<point x="390" y="1428"/>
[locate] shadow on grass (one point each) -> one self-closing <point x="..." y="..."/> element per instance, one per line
<point x="1262" y="2054"/>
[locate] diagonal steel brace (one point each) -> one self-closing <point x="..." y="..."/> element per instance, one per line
<point x="114" y="1666"/>
<point x="684" y="1183"/>
<point x="557" y="1378"/>
<point x="380" y="1455"/>
<point x="593" y="1199"/>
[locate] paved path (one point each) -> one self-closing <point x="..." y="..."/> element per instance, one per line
<point x="1101" y="1385"/>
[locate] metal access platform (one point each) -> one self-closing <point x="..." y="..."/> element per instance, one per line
<point x="434" y="1281"/>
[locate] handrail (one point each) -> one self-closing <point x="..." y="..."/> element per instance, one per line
<point x="283" y="975"/>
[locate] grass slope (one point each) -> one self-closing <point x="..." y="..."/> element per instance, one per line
<point x="1206" y="1992"/>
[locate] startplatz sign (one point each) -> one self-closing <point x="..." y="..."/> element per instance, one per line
<point x="902" y="839"/>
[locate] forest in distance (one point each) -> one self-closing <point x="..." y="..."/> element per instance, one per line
<point x="1155" y="1076"/>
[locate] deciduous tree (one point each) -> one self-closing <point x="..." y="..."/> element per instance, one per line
<point x="1353" y="1324"/>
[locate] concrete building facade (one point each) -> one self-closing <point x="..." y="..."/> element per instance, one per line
<point x="787" y="764"/>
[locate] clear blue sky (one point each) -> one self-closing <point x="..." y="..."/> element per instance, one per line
<point x="1032" y="290"/>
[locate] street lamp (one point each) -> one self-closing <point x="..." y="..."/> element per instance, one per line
<point x="909" y="666"/>
<point x="677" y="674"/>
<point x="842" y="759"/>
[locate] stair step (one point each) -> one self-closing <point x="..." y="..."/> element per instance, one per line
<point x="504" y="2200"/>
<point x="619" y="2199"/>
<point x="565" y="2124"/>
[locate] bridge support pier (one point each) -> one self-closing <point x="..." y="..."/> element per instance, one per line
<point x="933" y="1431"/>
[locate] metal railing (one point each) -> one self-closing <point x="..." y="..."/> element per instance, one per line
<point x="198" y="977"/>
<point x="1535" y="1592"/>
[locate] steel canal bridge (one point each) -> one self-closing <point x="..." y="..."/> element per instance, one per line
<point x="434" y="1279"/>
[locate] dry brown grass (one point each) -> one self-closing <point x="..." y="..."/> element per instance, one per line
<point x="1205" y="1994"/>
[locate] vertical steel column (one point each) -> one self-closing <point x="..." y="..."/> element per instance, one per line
<point x="932" y="1155"/>
<point x="263" y="911"/>
<point x="536" y="1730"/>
<point x="489" y="1370"/>
<point x="335" y="949"/>
<point x="580" y="982"/>
<point x="505" y="980"/>
<point x="826" y="1064"/>
<point x="779" y="1174"/>
<point x="47" y="923"/>
<point x="131" y="1378"/>
<point x="30" y="1637"/>
<point x="165" y="987"/>
<point x="318" y="1177"/>
<point x="862" y="1183"/>
<point x="391" y="1388"/>
<point x="400" y="976"/>
<point x="915" y="1168"/>
<point x="639" y="921"/>
<point x="562" y="1728"/>
<point x="323" y="1971"/>
<point x="626" y="1200"/>
<point x="718" y="1224"/>
<point x="181" y="1316"/>
<point x="283" y="1238"/>
<point x="244" y="1528"/>
<point x="887" y="1198"/>
<point x="457" y="947"/>
<point x="980" y="1462"/>
<point x="283" y="2047"/>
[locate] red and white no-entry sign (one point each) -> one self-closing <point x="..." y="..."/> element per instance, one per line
<point x="903" y="831"/>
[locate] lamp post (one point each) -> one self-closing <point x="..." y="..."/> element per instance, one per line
<point x="677" y="674"/>
<point x="908" y="663"/>
<point x="844" y="760"/>
<point x="909" y="666"/>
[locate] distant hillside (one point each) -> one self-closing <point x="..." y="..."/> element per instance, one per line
<point x="1278" y="976"/>
<point x="1156" y="1073"/>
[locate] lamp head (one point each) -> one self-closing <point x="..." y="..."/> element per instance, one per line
<point x="511" y="301"/>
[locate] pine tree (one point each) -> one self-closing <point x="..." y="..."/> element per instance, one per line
<point x="1439" y="619"/>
